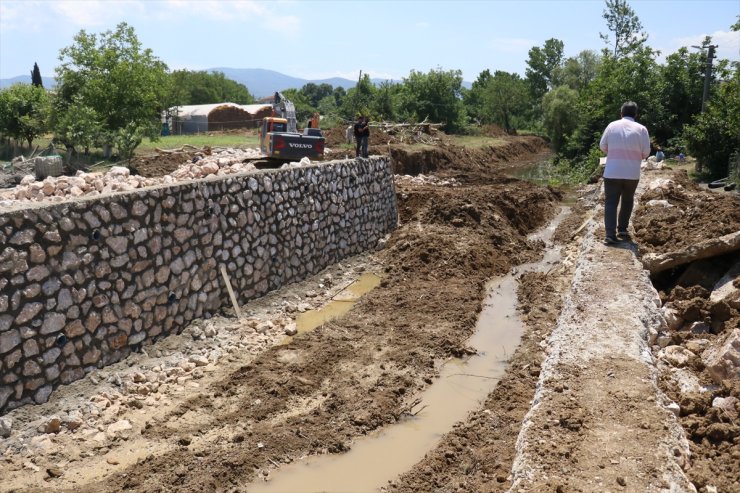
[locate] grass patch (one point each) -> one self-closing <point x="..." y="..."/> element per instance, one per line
<point x="148" y="146"/>
<point x="476" y="141"/>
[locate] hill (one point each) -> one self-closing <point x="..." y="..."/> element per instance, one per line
<point x="260" y="82"/>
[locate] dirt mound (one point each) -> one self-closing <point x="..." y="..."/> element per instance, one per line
<point x="384" y="134"/>
<point x="493" y="131"/>
<point x="471" y="163"/>
<point x="155" y="165"/>
<point x="694" y="215"/>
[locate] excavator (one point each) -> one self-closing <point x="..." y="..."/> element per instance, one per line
<point x="279" y="137"/>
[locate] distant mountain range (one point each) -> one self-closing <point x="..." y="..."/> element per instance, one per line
<point x="260" y="82"/>
<point x="26" y="79"/>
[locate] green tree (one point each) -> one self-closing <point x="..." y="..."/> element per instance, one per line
<point x="80" y="126"/>
<point x="24" y="110"/>
<point x="386" y="102"/>
<point x="625" y="26"/>
<point x="359" y="99"/>
<point x="316" y="92"/>
<point x="560" y="114"/>
<point x="507" y="99"/>
<point x="339" y="95"/>
<point x="683" y="82"/>
<point x="474" y="99"/>
<point x="110" y="74"/>
<point x="201" y="87"/>
<point x="714" y="136"/>
<point x="634" y="78"/>
<point x="435" y="96"/>
<point x="577" y="72"/>
<point x="542" y="66"/>
<point x="303" y="108"/>
<point x="36" y="79"/>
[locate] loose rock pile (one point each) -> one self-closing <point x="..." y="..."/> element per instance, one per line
<point x="426" y="180"/>
<point x="119" y="179"/>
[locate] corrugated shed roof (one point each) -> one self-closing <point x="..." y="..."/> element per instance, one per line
<point x="189" y="111"/>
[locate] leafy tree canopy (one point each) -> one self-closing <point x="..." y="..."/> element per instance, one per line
<point x="435" y="96"/>
<point x="201" y="87"/>
<point x="625" y="27"/>
<point x="506" y="98"/>
<point x="542" y="66"/>
<point x="123" y="84"/>
<point x="24" y="112"/>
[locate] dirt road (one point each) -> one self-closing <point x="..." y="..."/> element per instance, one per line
<point x="227" y="403"/>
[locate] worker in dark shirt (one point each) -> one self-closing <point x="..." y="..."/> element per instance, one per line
<point x="365" y="136"/>
<point x="358" y="135"/>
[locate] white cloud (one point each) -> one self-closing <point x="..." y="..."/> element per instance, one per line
<point x="93" y="13"/>
<point x="728" y="42"/>
<point x="244" y="11"/>
<point x="74" y="14"/>
<point x="423" y="25"/>
<point x="511" y="45"/>
<point x="14" y="16"/>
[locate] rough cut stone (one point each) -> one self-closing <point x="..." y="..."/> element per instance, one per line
<point x="29" y="311"/>
<point x="23" y="237"/>
<point x="53" y="322"/>
<point x="42" y="394"/>
<point x="722" y="359"/>
<point x="6" y="424"/>
<point x="5" y="322"/>
<point x="9" y="340"/>
<point x="38" y="273"/>
<point x="118" y="244"/>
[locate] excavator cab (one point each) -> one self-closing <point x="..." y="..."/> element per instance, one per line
<point x="279" y="138"/>
<point x="270" y="126"/>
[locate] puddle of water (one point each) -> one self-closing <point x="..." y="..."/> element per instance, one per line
<point x="462" y="386"/>
<point x="340" y="304"/>
<point x="541" y="173"/>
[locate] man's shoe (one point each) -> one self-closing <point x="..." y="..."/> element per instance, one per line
<point x="611" y="240"/>
<point x="624" y="236"/>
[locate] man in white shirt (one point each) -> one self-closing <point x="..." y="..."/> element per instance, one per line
<point x="626" y="143"/>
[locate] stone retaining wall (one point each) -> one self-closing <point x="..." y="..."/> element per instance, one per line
<point x="84" y="283"/>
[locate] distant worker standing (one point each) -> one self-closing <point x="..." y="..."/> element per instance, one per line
<point x="659" y="156"/>
<point x="626" y="143"/>
<point x="365" y="136"/>
<point x="358" y="135"/>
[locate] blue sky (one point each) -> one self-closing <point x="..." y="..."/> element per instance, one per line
<point x="318" y="39"/>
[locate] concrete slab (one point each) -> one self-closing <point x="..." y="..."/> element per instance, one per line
<point x="598" y="421"/>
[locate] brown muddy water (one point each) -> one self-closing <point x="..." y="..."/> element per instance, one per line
<point x="461" y="387"/>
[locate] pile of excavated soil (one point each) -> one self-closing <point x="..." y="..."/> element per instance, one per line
<point x="473" y="165"/>
<point x="694" y="215"/>
<point x="154" y="165"/>
<point x="318" y="392"/>
<point x="708" y="404"/>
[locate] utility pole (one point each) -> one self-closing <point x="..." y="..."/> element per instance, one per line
<point x="707" y="77"/>
<point x="707" y="74"/>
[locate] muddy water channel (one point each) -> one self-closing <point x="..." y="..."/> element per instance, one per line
<point x="463" y="384"/>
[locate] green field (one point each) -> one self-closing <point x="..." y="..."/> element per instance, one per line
<point x="198" y="140"/>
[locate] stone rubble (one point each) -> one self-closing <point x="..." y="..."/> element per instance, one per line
<point x="426" y="180"/>
<point x="119" y="179"/>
